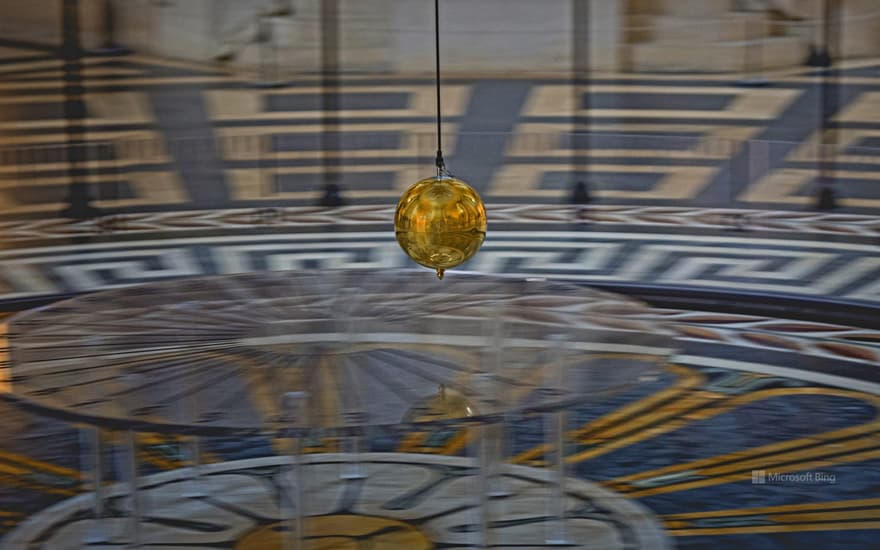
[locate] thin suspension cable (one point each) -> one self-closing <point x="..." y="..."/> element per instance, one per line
<point x="441" y="166"/>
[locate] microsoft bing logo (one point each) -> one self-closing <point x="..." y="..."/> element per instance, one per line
<point x="763" y="477"/>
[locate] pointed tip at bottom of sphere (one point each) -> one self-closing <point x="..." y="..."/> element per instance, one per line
<point x="440" y="274"/>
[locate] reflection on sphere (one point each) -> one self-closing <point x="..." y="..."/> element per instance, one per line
<point x="440" y="222"/>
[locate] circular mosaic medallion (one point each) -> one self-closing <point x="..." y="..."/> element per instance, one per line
<point x="342" y="532"/>
<point x="405" y="501"/>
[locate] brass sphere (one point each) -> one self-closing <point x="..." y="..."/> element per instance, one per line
<point x="440" y="222"/>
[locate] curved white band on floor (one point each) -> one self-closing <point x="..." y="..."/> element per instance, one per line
<point x="405" y="498"/>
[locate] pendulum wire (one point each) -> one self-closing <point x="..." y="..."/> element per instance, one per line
<point x="441" y="165"/>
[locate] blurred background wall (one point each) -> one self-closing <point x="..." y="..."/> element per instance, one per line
<point x="33" y="20"/>
<point x="719" y="35"/>
<point x="485" y="36"/>
<point x="489" y="36"/>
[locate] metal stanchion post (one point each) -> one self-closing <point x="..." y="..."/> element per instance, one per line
<point x="554" y="437"/>
<point x="133" y="382"/>
<point x="487" y="387"/>
<point x="485" y="460"/>
<point x="354" y="417"/>
<point x="135" y="508"/>
<point x="93" y="457"/>
<point x="294" y="405"/>
<point x="195" y="488"/>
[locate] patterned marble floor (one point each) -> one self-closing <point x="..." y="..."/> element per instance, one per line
<point x="745" y="394"/>
<point x="685" y="203"/>
<point x="744" y="397"/>
<point x="798" y="254"/>
<point x="161" y="135"/>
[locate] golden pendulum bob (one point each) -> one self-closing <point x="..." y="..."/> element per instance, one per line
<point x="440" y="222"/>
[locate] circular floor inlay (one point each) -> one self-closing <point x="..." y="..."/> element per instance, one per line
<point x="406" y="501"/>
<point x="341" y="532"/>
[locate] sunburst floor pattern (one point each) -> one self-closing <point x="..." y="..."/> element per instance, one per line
<point x="221" y="354"/>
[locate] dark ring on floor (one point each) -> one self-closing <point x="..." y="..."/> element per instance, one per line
<point x="788" y="306"/>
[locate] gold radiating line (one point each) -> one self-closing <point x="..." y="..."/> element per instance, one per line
<point x="783" y="508"/>
<point x="758" y="529"/>
<point x="855" y="444"/>
<point x="604" y="427"/>
<point x="674" y="419"/>
<point x="680" y="412"/>
<point x="733" y="476"/>
<point x="790" y="517"/>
